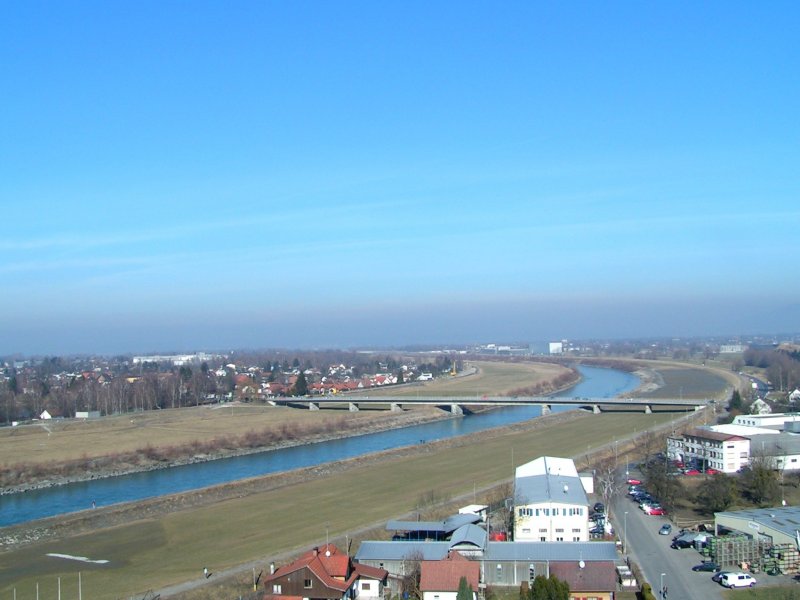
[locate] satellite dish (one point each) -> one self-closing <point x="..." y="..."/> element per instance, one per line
<point x="581" y="564"/>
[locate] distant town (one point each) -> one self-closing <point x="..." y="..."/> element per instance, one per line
<point x="84" y="386"/>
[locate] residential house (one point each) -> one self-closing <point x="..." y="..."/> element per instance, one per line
<point x="550" y="504"/>
<point x="440" y="579"/>
<point x="325" y="574"/>
<point x="596" y="580"/>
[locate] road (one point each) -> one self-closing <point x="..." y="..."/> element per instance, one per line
<point x="654" y="556"/>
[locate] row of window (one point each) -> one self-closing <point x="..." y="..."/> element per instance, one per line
<point x="546" y="512"/>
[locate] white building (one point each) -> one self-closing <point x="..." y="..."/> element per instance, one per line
<point x="550" y="504"/>
<point x="556" y="348"/>
<point x="718" y="450"/>
<point x="774" y="420"/>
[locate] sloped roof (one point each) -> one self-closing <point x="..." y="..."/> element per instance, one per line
<point x="445" y="575"/>
<point x="469" y="534"/>
<point x="545" y="465"/>
<point x="598" y="576"/>
<point x="402" y="550"/>
<point x="332" y="567"/>
<point x="449" y="525"/>
<point x="553" y="551"/>
<point x="550" y="488"/>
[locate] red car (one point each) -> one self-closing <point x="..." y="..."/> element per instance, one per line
<point x="656" y="510"/>
<point x="691" y="472"/>
<point x="711" y="471"/>
<point x="634" y="482"/>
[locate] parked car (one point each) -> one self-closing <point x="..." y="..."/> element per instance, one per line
<point x="708" y="566"/>
<point x="680" y="544"/>
<point x="691" y="472"/>
<point x="666" y="529"/>
<point x="599" y="507"/>
<point x="734" y="580"/>
<point x="711" y="471"/>
<point x="719" y="575"/>
<point x="656" y="511"/>
<point x="632" y="481"/>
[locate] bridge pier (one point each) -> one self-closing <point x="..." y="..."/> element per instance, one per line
<point x="596" y="409"/>
<point x="648" y="410"/>
<point x="353" y="407"/>
<point x="456" y="409"/>
<point x="546" y="410"/>
<point x="313" y="406"/>
<point x="396" y="407"/>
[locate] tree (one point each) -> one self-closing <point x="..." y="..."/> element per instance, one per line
<point x="718" y="494"/>
<point x="760" y="481"/>
<point x="661" y="483"/>
<point x="549" y="588"/>
<point x="400" y="376"/>
<point x="465" y="591"/>
<point x="300" y="387"/>
<point x="736" y="402"/>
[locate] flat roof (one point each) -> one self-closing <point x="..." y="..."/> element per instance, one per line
<point x="785" y="519"/>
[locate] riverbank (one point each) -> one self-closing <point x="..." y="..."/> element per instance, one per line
<point x="288" y="428"/>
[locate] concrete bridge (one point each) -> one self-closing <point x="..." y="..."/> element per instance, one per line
<point x="457" y="404"/>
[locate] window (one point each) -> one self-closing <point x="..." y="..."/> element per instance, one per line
<point x="576" y="530"/>
<point x="307" y="584"/>
<point x="537" y="511"/>
<point x="526" y="530"/>
<point x="542" y="539"/>
<point x="560" y="539"/>
<point x="575" y="538"/>
<point x="559" y="531"/>
<point x="742" y="454"/>
<point x="276" y="588"/>
<point x="365" y="586"/>
<point x="543" y="530"/>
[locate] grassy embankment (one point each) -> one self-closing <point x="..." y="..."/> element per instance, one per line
<point x="155" y="552"/>
<point x="136" y="441"/>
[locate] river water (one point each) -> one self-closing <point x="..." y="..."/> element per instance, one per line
<point x="37" y="504"/>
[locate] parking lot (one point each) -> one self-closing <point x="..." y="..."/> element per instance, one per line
<point x="662" y="564"/>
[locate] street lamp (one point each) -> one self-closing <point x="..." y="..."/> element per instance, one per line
<point x="662" y="584"/>
<point x="625" y="533"/>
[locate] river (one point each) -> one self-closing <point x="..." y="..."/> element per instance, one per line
<point x="48" y="502"/>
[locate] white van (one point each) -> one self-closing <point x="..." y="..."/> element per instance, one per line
<point x="734" y="580"/>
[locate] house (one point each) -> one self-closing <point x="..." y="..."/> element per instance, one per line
<point x="596" y="579"/>
<point x="45" y="415"/>
<point x="325" y="574"/>
<point x="440" y="579"/>
<point x="550" y="504"/>
<point x="720" y="450"/>
<point x="503" y="564"/>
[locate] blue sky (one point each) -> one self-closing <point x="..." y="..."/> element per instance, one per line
<point x="208" y="175"/>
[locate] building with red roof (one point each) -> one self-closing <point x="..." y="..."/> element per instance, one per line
<point x="325" y="574"/>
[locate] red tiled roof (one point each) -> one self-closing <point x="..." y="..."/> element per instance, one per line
<point x="332" y="568"/>
<point x="445" y="575"/>
<point x="595" y="576"/>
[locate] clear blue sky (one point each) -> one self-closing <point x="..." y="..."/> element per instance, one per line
<point x="209" y="175"/>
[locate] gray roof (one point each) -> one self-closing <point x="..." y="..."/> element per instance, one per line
<point x="589" y="551"/>
<point x="449" y="525"/>
<point x="785" y="519"/>
<point x="550" y="488"/>
<point x="469" y="534"/>
<point x="495" y="551"/>
<point x="775" y="445"/>
<point x="402" y="550"/>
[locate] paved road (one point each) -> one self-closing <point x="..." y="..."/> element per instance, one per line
<point x="654" y="556"/>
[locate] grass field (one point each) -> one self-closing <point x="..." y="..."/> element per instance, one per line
<point x="491" y="378"/>
<point x="689" y="382"/>
<point x="172" y="548"/>
<point x="58" y="440"/>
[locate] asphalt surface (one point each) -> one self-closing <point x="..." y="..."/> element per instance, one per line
<point x="654" y="556"/>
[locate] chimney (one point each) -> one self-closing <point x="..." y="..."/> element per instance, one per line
<point x="272" y="568"/>
<point x="315" y="551"/>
